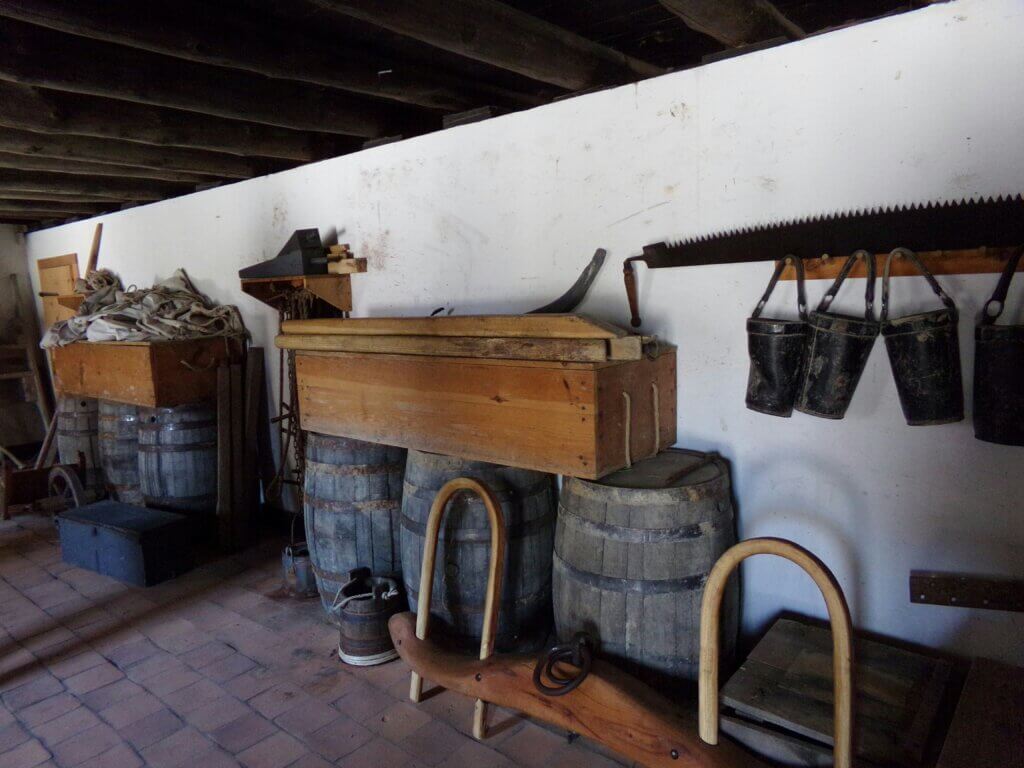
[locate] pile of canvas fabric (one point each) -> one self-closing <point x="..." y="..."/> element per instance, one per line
<point x="171" y="309"/>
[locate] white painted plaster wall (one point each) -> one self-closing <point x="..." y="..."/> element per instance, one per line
<point x="499" y="217"/>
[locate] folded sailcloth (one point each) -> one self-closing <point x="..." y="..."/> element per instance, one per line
<point x="171" y="309"/>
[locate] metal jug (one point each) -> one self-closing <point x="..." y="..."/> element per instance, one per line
<point x="924" y="352"/>
<point x="837" y="349"/>
<point x="999" y="370"/>
<point x="776" y="348"/>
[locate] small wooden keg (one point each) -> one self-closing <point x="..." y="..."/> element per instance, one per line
<point x="364" y="606"/>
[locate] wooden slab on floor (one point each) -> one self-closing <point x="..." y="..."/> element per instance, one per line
<point x="566" y="418"/>
<point x="988" y="727"/>
<point x="567" y="350"/>
<point x="154" y="374"/>
<point x="499" y="326"/>
<point x="786" y="682"/>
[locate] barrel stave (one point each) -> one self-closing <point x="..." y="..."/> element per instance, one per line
<point x="119" y="450"/>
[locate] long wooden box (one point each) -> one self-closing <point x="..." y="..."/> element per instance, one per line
<point x="156" y="374"/>
<point x="567" y="418"/>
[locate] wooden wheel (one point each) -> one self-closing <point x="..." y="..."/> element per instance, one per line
<point x="65" y="485"/>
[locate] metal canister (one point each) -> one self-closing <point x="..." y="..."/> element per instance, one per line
<point x="298" y="570"/>
<point x="999" y="370"/>
<point x="776" y="348"/>
<point x="924" y="352"/>
<point x="837" y="349"/>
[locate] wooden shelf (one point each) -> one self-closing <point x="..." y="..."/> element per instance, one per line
<point x="967" y="262"/>
<point x="334" y="290"/>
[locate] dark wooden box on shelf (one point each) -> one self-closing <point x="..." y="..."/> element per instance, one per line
<point x="155" y="374"/>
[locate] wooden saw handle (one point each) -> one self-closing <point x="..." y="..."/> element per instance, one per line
<point x="629" y="277"/>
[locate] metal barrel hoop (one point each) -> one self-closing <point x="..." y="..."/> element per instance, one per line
<point x="842" y="637"/>
<point x="494" y="579"/>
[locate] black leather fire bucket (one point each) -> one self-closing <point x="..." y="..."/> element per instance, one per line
<point x="837" y="349"/>
<point x="776" y="348"/>
<point x="924" y="352"/>
<point x="999" y="370"/>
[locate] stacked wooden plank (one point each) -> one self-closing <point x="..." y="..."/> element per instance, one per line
<point x="556" y="393"/>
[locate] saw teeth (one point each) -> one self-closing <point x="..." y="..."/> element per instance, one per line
<point x="818" y="218"/>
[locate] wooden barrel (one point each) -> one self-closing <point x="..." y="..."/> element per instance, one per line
<point x="119" y="450"/>
<point x="78" y="433"/>
<point x="632" y="553"/>
<point x="364" y="606"/>
<point x="528" y="504"/>
<point x="352" y="501"/>
<point x="178" y="457"/>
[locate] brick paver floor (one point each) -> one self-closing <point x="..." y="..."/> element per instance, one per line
<point x="215" y="668"/>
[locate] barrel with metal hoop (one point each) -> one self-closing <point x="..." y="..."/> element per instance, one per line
<point x="119" y="450"/>
<point x="78" y="434"/>
<point x="178" y="458"/>
<point x="527" y="501"/>
<point x="351" y="503"/>
<point x="632" y="553"/>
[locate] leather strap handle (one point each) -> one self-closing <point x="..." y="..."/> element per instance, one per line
<point x="988" y="316"/>
<point x="801" y="295"/>
<point x="869" y="293"/>
<point x="920" y="267"/>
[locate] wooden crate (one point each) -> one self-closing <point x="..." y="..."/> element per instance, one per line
<point x="148" y="373"/>
<point x="562" y="417"/>
<point x="779" y="702"/>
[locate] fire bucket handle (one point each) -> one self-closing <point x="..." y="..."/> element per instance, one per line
<point x="801" y="295"/>
<point x="920" y="267"/>
<point x="869" y="292"/>
<point x="494" y="576"/>
<point x="842" y="637"/>
<point x="988" y="316"/>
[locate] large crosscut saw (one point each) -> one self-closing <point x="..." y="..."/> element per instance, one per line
<point x="960" y="225"/>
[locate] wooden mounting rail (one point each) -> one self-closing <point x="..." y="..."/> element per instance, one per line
<point x="842" y="637"/>
<point x="494" y="577"/>
<point x="973" y="261"/>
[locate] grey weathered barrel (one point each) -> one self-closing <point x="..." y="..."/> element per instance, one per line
<point x="178" y="457"/>
<point x="352" y="502"/>
<point x="528" y="504"/>
<point x="78" y="433"/>
<point x="632" y="553"/>
<point x="119" y="450"/>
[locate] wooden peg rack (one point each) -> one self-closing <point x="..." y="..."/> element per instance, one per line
<point x="972" y="261"/>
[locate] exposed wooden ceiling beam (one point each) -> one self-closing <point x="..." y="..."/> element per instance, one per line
<point x="502" y="36"/>
<point x="204" y="33"/>
<point x="43" y="210"/>
<point x="98" y="186"/>
<point x="87" y="168"/>
<point x="128" y="153"/>
<point x="735" y="22"/>
<point x="11" y="193"/>
<point x="37" y="56"/>
<point x="47" y="111"/>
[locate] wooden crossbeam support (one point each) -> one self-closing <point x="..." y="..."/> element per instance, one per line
<point x="86" y="168"/>
<point x="37" y="56"/>
<point x="203" y="33"/>
<point x="9" y="193"/>
<point x="112" y="188"/>
<point x="489" y="31"/>
<point x="43" y="209"/>
<point x="735" y="22"/>
<point x="127" y="153"/>
<point x="48" y="111"/>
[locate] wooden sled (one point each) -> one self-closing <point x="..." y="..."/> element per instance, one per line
<point x="610" y="706"/>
